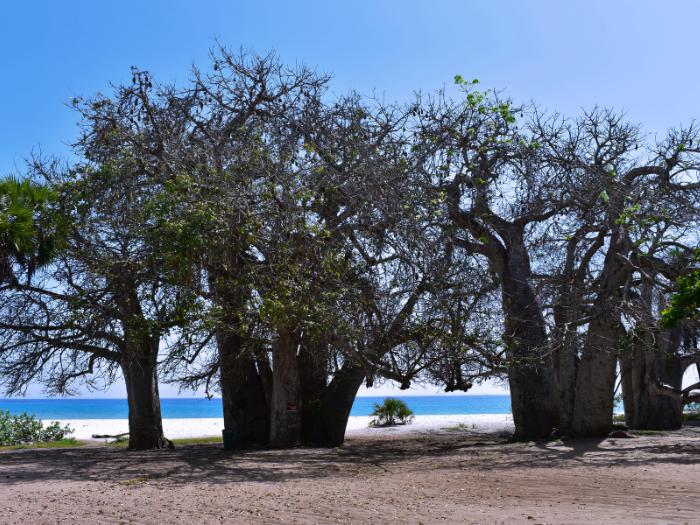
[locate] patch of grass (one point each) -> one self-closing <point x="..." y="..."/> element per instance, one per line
<point x="197" y="441"/>
<point x="62" y="443"/>
<point x="181" y="442"/>
<point x="648" y="432"/>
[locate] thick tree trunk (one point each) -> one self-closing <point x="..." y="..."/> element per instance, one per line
<point x="265" y="370"/>
<point x="658" y="409"/>
<point x="669" y="365"/>
<point x="243" y="397"/>
<point x="530" y="372"/>
<point x="145" y="422"/>
<point x="566" y="368"/>
<point x="533" y="408"/>
<point x="242" y="393"/>
<point x="338" y="401"/>
<point x="313" y="378"/>
<point x="596" y="374"/>
<point x="659" y="377"/>
<point x="325" y="426"/>
<point x="595" y="380"/>
<point x="652" y="372"/>
<point x="568" y="314"/>
<point x="325" y="406"/>
<point x="285" y="415"/>
<point x="565" y="362"/>
<point x="566" y="343"/>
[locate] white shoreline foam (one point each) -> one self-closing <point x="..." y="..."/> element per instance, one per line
<point x="357" y="425"/>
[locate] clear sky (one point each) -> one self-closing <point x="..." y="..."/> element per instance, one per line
<point x="640" y="56"/>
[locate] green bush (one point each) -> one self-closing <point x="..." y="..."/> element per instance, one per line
<point x="391" y="412"/>
<point x="25" y="428"/>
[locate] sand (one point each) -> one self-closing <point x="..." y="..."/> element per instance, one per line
<point x="357" y="426"/>
<point x="458" y="475"/>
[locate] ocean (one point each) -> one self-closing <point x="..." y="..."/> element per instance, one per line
<point x="194" y="408"/>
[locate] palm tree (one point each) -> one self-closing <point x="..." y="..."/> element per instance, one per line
<point x="27" y="237"/>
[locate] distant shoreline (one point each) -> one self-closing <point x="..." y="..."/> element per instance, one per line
<point x="202" y="408"/>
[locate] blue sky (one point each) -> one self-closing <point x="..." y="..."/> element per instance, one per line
<point x="639" y="56"/>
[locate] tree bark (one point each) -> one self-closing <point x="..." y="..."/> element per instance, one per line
<point x="325" y="423"/>
<point x="657" y="409"/>
<point x="337" y="402"/>
<point x="530" y="371"/>
<point x="567" y="316"/>
<point x="242" y="393"/>
<point x="245" y="407"/>
<point x="262" y="362"/>
<point x="658" y="403"/>
<point x="145" y="422"/>
<point x="596" y="374"/>
<point x="595" y="380"/>
<point x="652" y="371"/>
<point x="566" y="363"/>
<point x="565" y="358"/>
<point x="285" y="416"/>
<point x="313" y="378"/>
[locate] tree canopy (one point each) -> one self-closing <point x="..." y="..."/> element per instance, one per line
<point x="253" y="235"/>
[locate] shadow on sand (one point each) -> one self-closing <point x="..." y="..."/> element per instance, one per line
<point x="209" y="464"/>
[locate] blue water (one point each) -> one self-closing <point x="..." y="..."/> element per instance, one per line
<point x="203" y="408"/>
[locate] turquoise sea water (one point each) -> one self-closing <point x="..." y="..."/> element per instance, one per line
<point x="70" y="408"/>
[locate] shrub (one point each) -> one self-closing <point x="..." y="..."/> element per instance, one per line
<point x="25" y="428"/>
<point x="391" y="412"/>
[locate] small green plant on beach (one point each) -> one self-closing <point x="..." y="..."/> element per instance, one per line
<point x="25" y="428"/>
<point x="391" y="412"/>
<point x="178" y="442"/>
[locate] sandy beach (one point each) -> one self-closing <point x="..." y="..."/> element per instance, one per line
<point x="358" y="426"/>
<point x="457" y="475"/>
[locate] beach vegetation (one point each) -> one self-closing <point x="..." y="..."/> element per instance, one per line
<point x="26" y="429"/>
<point x="61" y="443"/>
<point x="390" y="413"/>
<point x="177" y="442"/>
